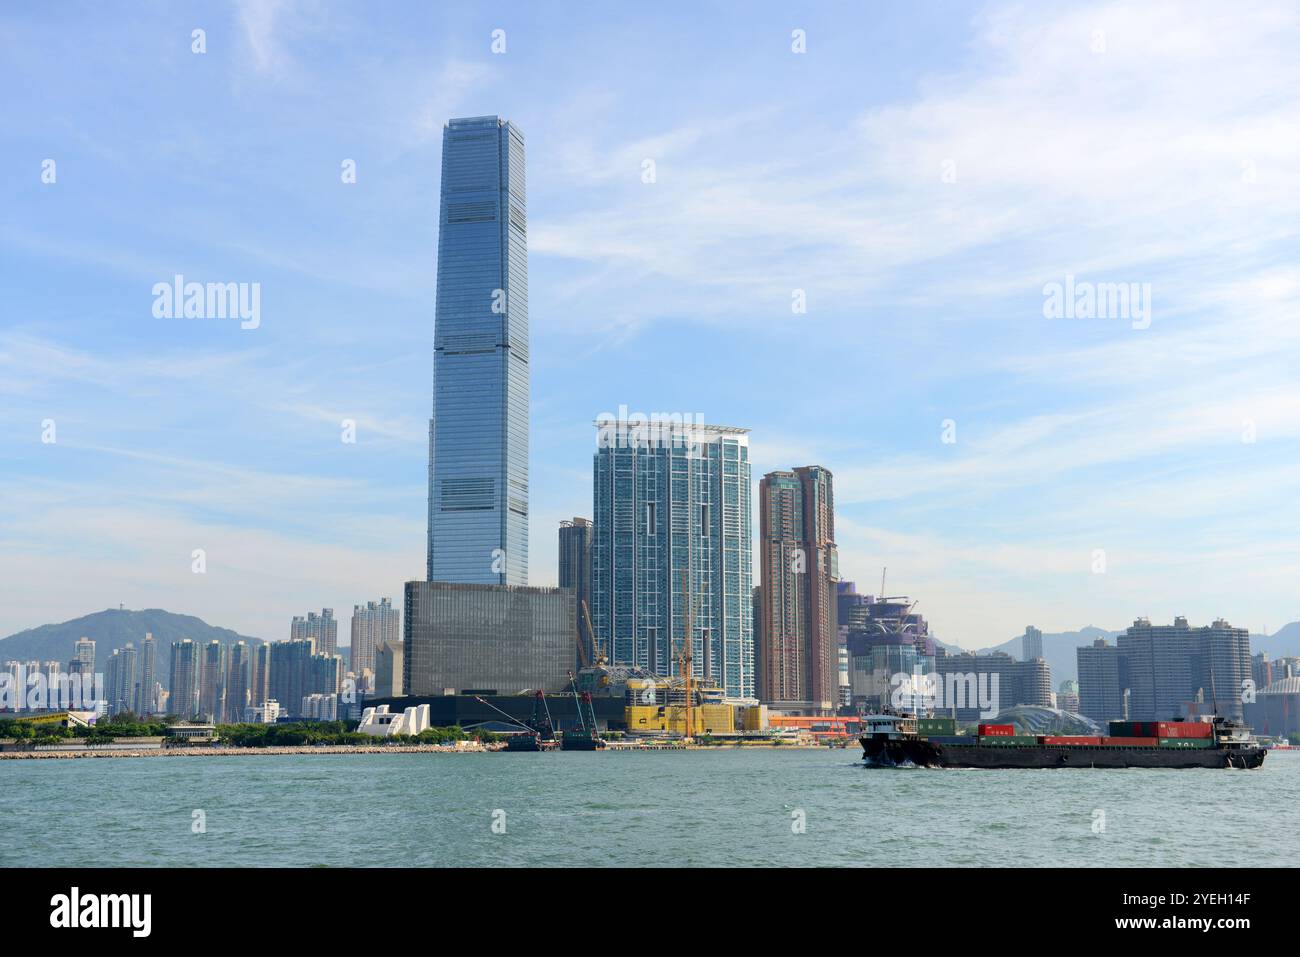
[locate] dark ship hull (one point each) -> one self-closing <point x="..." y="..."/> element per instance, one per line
<point x="924" y="753"/>
<point x="580" y="741"/>
<point x="529" y="742"/>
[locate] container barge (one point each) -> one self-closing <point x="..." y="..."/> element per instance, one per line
<point x="893" y="740"/>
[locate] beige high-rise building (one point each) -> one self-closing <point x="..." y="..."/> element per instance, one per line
<point x="797" y="661"/>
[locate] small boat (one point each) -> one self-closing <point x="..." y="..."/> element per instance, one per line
<point x="529" y="741"/>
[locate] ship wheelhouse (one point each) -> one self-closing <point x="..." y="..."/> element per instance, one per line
<point x="889" y="727"/>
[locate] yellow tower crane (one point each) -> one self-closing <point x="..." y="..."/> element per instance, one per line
<point x="686" y="656"/>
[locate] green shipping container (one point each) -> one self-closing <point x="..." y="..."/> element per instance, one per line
<point x="944" y="726"/>
<point x="1132" y="729"/>
<point x="1009" y="739"/>
<point x="1186" y="743"/>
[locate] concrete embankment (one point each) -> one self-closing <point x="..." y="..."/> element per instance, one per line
<point x="210" y="752"/>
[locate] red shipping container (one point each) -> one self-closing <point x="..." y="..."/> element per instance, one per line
<point x="997" y="730"/>
<point x="1133" y="742"/>
<point x="1072" y="739"/>
<point x="1182" y="729"/>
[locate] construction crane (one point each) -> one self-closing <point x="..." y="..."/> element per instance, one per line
<point x="591" y="635"/>
<point x="687" y="669"/>
<point x="583" y="657"/>
<point x="588" y="738"/>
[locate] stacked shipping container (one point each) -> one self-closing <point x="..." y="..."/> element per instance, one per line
<point x="1162" y="729"/>
<point x="996" y="730"/>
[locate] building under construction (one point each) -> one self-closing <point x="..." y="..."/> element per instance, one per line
<point x="884" y="636"/>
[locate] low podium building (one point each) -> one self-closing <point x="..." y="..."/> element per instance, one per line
<point x="497" y="639"/>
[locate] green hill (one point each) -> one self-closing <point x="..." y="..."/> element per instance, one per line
<point x="113" y="628"/>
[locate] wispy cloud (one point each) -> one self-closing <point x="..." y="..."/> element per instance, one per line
<point x="918" y="198"/>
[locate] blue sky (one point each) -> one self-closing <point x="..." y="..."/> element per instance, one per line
<point x="920" y="174"/>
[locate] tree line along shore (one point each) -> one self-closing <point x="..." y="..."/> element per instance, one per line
<point x="34" y="738"/>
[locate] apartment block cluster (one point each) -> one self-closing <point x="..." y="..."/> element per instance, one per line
<point x="302" y="677"/>
<point x="129" y="680"/>
<point x="1162" y="672"/>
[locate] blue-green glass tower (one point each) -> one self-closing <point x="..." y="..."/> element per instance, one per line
<point x="663" y="510"/>
<point x="478" y="435"/>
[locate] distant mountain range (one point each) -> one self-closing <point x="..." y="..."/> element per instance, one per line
<point x="1284" y="641"/>
<point x="1059" y="650"/>
<point x="113" y="628"/>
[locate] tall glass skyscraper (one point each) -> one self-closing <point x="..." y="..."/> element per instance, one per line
<point x="661" y="508"/>
<point x="478" y="435"/>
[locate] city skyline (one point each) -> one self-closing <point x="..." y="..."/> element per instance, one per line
<point x="1169" y="449"/>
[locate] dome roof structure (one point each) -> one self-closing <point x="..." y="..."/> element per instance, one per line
<point x="1036" y="719"/>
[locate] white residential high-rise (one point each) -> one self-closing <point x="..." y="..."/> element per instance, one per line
<point x="83" y="657"/>
<point x="372" y="624"/>
<point x="119" y="676"/>
<point x="238" y="672"/>
<point x="145" y="700"/>
<point x="183" y="698"/>
<point x="321" y="630"/>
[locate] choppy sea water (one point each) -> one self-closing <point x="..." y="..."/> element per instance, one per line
<point x="677" y="808"/>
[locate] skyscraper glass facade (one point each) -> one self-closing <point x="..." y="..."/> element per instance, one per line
<point x="478" y="435"/>
<point x="477" y="638"/>
<point x="662" y="508"/>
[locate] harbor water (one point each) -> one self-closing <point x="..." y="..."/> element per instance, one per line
<point x="779" y="807"/>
